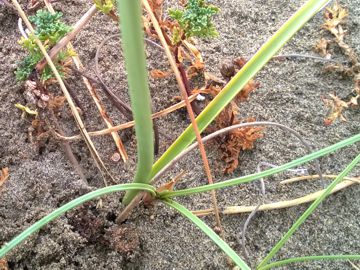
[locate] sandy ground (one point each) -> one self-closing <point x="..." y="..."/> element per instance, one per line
<point x="41" y="178"/>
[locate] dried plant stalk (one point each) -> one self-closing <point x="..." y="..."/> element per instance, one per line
<point x="231" y="210"/>
<point x="94" y="95"/>
<point x="99" y="163"/>
<point x="66" y="39"/>
<point x="130" y="124"/>
<point x="188" y="106"/>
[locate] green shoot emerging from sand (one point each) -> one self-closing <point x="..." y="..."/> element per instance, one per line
<point x="194" y="21"/>
<point x="49" y="30"/>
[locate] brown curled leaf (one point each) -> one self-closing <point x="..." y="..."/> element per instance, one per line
<point x="239" y="140"/>
<point x="159" y="74"/>
<point x="4" y="175"/>
<point x="56" y="102"/>
<point x="336" y="107"/>
<point x="245" y="92"/>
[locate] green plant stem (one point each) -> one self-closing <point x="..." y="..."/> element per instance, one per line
<point x="309" y="258"/>
<point x="70" y="205"/>
<point x="209" y="232"/>
<point x="134" y="53"/>
<point x="263" y="55"/>
<point x="255" y="176"/>
<point x="309" y="211"/>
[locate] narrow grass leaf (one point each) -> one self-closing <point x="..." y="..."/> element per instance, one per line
<point x="269" y="172"/>
<point x="310" y="258"/>
<point x="264" y="54"/>
<point x="309" y="211"/>
<point x="70" y="205"/>
<point x="209" y="232"/>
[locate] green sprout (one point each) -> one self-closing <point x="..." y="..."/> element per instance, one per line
<point x="49" y="27"/>
<point x="49" y="30"/>
<point x="104" y="6"/>
<point x="194" y="21"/>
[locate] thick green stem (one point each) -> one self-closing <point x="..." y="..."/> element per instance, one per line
<point x="134" y="53"/>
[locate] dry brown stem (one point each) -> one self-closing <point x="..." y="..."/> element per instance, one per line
<point x="231" y="210"/>
<point x="65" y="40"/>
<point x="128" y="124"/>
<point x="95" y="97"/>
<point x="99" y="163"/>
<point x="188" y="106"/>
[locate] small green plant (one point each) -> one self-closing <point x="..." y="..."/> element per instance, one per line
<point x="49" y="30"/>
<point x="104" y="6"/>
<point x="107" y="7"/>
<point x="194" y="21"/>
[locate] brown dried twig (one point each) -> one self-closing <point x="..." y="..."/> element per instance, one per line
<point x="66" y="39"/>
<point x="119" y="144"/>
<point x="130" y="124"/>
<point x="184" y="94"/>
<point x="99" y="163"/>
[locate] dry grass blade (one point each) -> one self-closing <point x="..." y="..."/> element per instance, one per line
<point x="130" y="124"/>
<point x="316" y="177"/>
<point x="66" y="39"/>
<point x="231" y="210"/>
<point x="74" y="111"/>
<point x="188" y="105"/>
<point x="354" y="265"/>
<point x="92" y="91"/>
<point x="4" y="175"/>
<point x="119" y="144"/>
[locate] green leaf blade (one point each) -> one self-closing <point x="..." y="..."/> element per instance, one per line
<point x="209" y="232"/>
<point x="309" y="211"/>
<point x="68" y="206"/>
<point x="254" y="65"/>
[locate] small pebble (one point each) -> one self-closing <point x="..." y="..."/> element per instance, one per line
<point x="44" y="97"/>
<point x="116" y="157"/>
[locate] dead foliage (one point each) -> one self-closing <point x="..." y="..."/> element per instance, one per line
<point x="336" y="107"/>
<point x="334" y="22"/>
<point x="159" y="74"/>
<point x="4" y="175"/>
<point x="56" y="103"/>
<point x="240" y="139"/>
<point x="3" y="264"/>
<point x="88" y="222"/>
<point x="157" y="7"/>
<point x="236" y="141"/>
<point x="123" y="239"/>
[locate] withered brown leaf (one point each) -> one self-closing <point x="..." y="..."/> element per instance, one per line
<point x="236" y="141"/>
<point x="336" y="106"/>
<point x="159" y="74"/>
<point x="4" y="175"/>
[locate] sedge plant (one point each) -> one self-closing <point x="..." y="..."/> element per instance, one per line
<point x="132" y="39"/>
